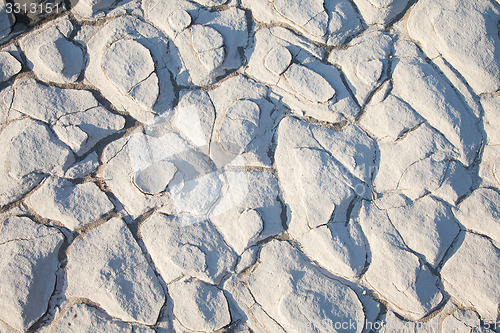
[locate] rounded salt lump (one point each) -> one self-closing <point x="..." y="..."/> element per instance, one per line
<point x="179" y="20"/>
<point x="190" y="257"/>
<point x="249" y="226"/>
<point x="278" y="60"/>
<point x="206" y="38"/>
<point x="239" y="127"/>
<point x="370" y="70"/>
<point x="127" y="63"/>
<point x="212" y="59"/>
<point x="309" y="84"/>
<point x="155" y="178"/>
<point x="194" y="300"/>
<point x="61" y="61"/>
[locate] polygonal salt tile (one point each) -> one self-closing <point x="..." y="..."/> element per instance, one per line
<point x="243" y="129"/>
<point x="155" y="178"/>
<point x="72" y="135"/>
<point x="199" y="306"/>
<point x="26" y="160"/>
<point x="145" y="93"/>
<point x="427" y="226"/>
<point x="364" y="61"/>
<point x="72" y="205"/>
<point x="321" y="171"/>
<point x="83" y="130"/>
<point x="476" y="54"/>
<point x="475" y="260"/>
<point x="296" y="296"/>
<point x="396" y="158"/>
<point x="129" y="66"/>
<point x="245" y="230"/>
<point x="430" y="94"/>
<point x="48" y="103"/>
<point x="26" y="156"/>
<point x="179" y="20"/>
<point x="28" y="266"/>
<point x="249" y="209"/>
<point x="396" y="273"/>
<point x="195" y="117"/>
<point x="390" y="118"/>
<point x="107" y="266"/>
<point x="480" y="213"/>
<point x="9" y="66"/>
<point x="127" y="63"/>
<point x="347" y="248"/>
<point x="53" y="57"/>
<point x="239" y="126"/>
<point x="179" y="249"/>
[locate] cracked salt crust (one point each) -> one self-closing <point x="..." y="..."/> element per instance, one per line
<point x="251" y="166"/>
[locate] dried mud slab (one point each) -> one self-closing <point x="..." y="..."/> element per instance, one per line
<point x="250" y="166"/>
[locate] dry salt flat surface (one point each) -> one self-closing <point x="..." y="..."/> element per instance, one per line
<point x="251" y="166"/>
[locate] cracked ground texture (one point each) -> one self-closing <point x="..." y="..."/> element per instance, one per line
<point x="251" y="166"/>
